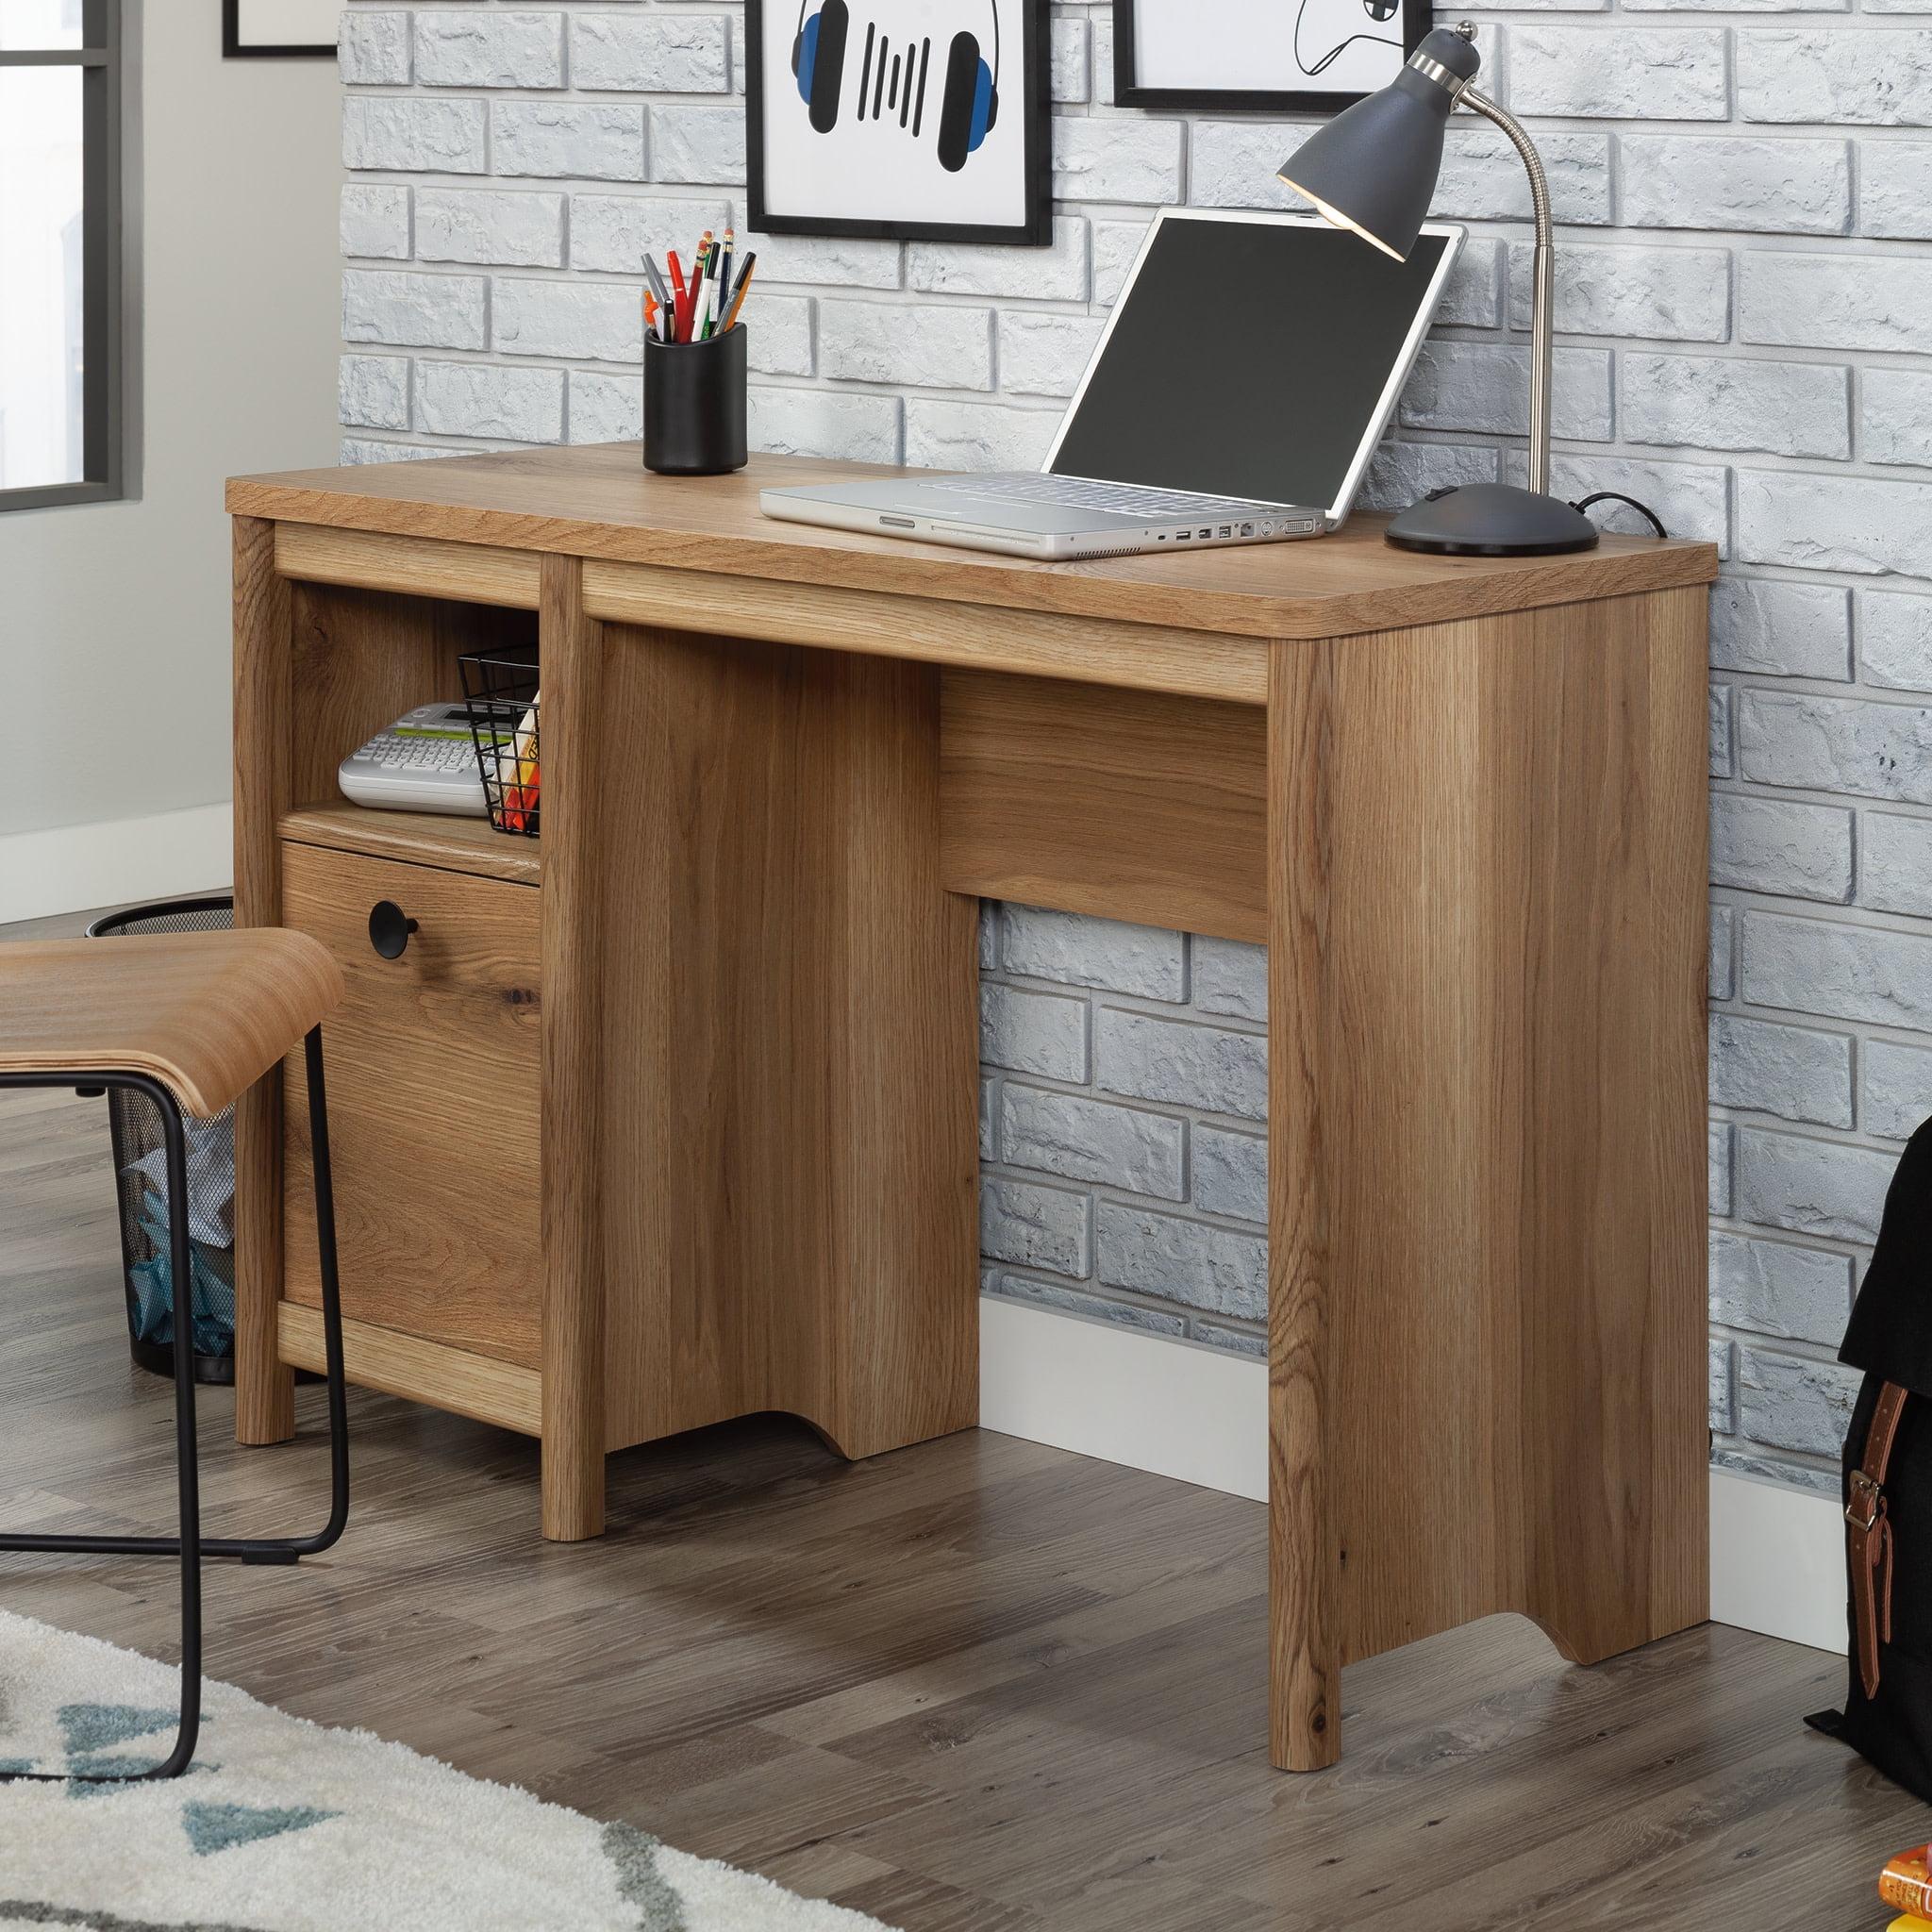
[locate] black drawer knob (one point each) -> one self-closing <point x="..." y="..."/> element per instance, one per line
<point x="390" y="928"/>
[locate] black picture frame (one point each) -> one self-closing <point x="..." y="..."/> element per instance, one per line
<point x="1035" y="230"/>
<point x="1418" y="16"/>
<point x="234" y="49"/>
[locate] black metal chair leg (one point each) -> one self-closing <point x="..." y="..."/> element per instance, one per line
<point x="181" y="1266"/>
<point x="245" y="1549"/>
<point x="181" y="1252"/>
<point x="322" y="1169"/>
<point x="289" y="1549"/>
<point x="189" y="1544"/>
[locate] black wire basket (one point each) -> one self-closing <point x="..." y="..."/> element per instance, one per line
<point x="499" y="689"/>
<point x="134" y="1122"/>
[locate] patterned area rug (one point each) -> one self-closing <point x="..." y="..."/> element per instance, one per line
<point x="282" y="1825"/>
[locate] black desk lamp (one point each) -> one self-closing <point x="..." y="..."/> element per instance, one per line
<point x="1374" y="168"/>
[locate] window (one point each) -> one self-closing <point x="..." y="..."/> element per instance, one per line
<point x="60" y="252"/>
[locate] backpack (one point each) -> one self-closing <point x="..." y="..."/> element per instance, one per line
<point x="1887" y="1491"/>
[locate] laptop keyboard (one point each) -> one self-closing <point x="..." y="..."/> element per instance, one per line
<point x="1079" y="493"/>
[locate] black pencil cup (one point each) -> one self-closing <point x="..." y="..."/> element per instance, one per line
<point x="694" y="406"/>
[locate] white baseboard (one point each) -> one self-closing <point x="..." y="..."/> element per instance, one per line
<point x="1777" y="1560"/>
<point x="76" y="868"/>
<point x="1121" y="1394"/>
<point x="1201" y="1415"/>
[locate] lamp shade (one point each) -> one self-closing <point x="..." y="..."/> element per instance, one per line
<point x="1374" y="167"/>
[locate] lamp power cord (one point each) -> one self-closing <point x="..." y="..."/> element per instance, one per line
<point x="1642" y="509"/>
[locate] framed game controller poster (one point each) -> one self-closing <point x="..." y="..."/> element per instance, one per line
<point x="1306" y="57"/>
<point x="923" y="120"/>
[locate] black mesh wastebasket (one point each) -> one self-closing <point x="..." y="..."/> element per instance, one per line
<point x="141" y="1175"/>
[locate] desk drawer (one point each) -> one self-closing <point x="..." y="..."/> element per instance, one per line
<point x="433" y="1077"/>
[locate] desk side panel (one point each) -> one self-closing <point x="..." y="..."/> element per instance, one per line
<point x="788" y="1152"/>
<point x="1679" y="825"/>
<point x="1486" y="978"/>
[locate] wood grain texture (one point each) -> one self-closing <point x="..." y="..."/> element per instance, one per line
<point x="419" y="566"/>
<point x="1485" y="1283"/>
<point x="420" y="838"/>
<point x="576" y="752"/>
<point x="1678" y="930"/>
<point x="790" y="1165"/>
<point x="478" y="1385"/>
<point x="264" y="780"/>
<point x="979" y="1685"/>
<point x="599" y="502"/>
<point x="1104" y="651"/>
<point x="759" y="1040"/>
<point x="1305" y="1642"/>
<point x="205" y="1013"/>
<point x="432" y="1070"/>
<point x="841" y="856"/>
<point x="1128" y="804"/>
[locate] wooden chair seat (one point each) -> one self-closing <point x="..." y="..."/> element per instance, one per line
<point x="205" y="1013"/>
<point x="197" y="1018"/>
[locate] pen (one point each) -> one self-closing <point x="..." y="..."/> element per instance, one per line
<point x="657" y="282"/>
<point x="744" y="283"/>
<point x="682" y="308"/>
<point x="724" y="255"/>
<point x="708" y="315"/>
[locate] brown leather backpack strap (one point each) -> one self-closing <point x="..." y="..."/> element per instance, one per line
<point x="1867" y="1536"/>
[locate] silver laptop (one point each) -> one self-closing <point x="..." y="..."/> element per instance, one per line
<point x="1237" y="393"/>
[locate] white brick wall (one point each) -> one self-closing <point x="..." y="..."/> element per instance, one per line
<point x="1745" y="299"/>
<point x="1125" y="1168"/>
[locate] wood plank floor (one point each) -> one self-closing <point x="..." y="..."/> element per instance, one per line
<point x="975" y="1686"/>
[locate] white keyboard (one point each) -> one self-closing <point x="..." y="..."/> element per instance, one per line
<point x="425" y="762"/>
<point x="1080" y="492"/>
<point x="392" y="752"/>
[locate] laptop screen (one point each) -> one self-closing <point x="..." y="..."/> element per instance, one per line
<point x="1249" y="358"/>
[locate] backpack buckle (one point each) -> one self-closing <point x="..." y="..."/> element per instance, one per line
<point x="1866" y="1502"/>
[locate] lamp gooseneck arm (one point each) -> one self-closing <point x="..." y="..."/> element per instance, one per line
<point x="1543" y="284"/>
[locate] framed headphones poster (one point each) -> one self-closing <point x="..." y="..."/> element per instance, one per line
<point x="1312" y="56"/>
<point x="922" y="120"/>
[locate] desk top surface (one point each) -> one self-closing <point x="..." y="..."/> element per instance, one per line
<point x="598" y="501"/>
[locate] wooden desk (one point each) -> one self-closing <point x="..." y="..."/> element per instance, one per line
<point x="693" y="1080"/>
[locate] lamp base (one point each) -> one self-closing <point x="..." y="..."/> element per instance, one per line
<point x="1492" y="519"/>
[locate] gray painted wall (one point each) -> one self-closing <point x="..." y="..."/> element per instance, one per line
<point x="1746" y="301"/>
<point x="114" y="646"/>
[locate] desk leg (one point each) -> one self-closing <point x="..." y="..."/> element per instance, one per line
<point x="1486" y="986"/>
<point x="789" y="1061"/>
<point x="574" y="1051"/>
<point x="264" y="1390"/>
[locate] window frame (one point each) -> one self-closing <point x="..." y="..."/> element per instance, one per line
<point x="102" y="240"/>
